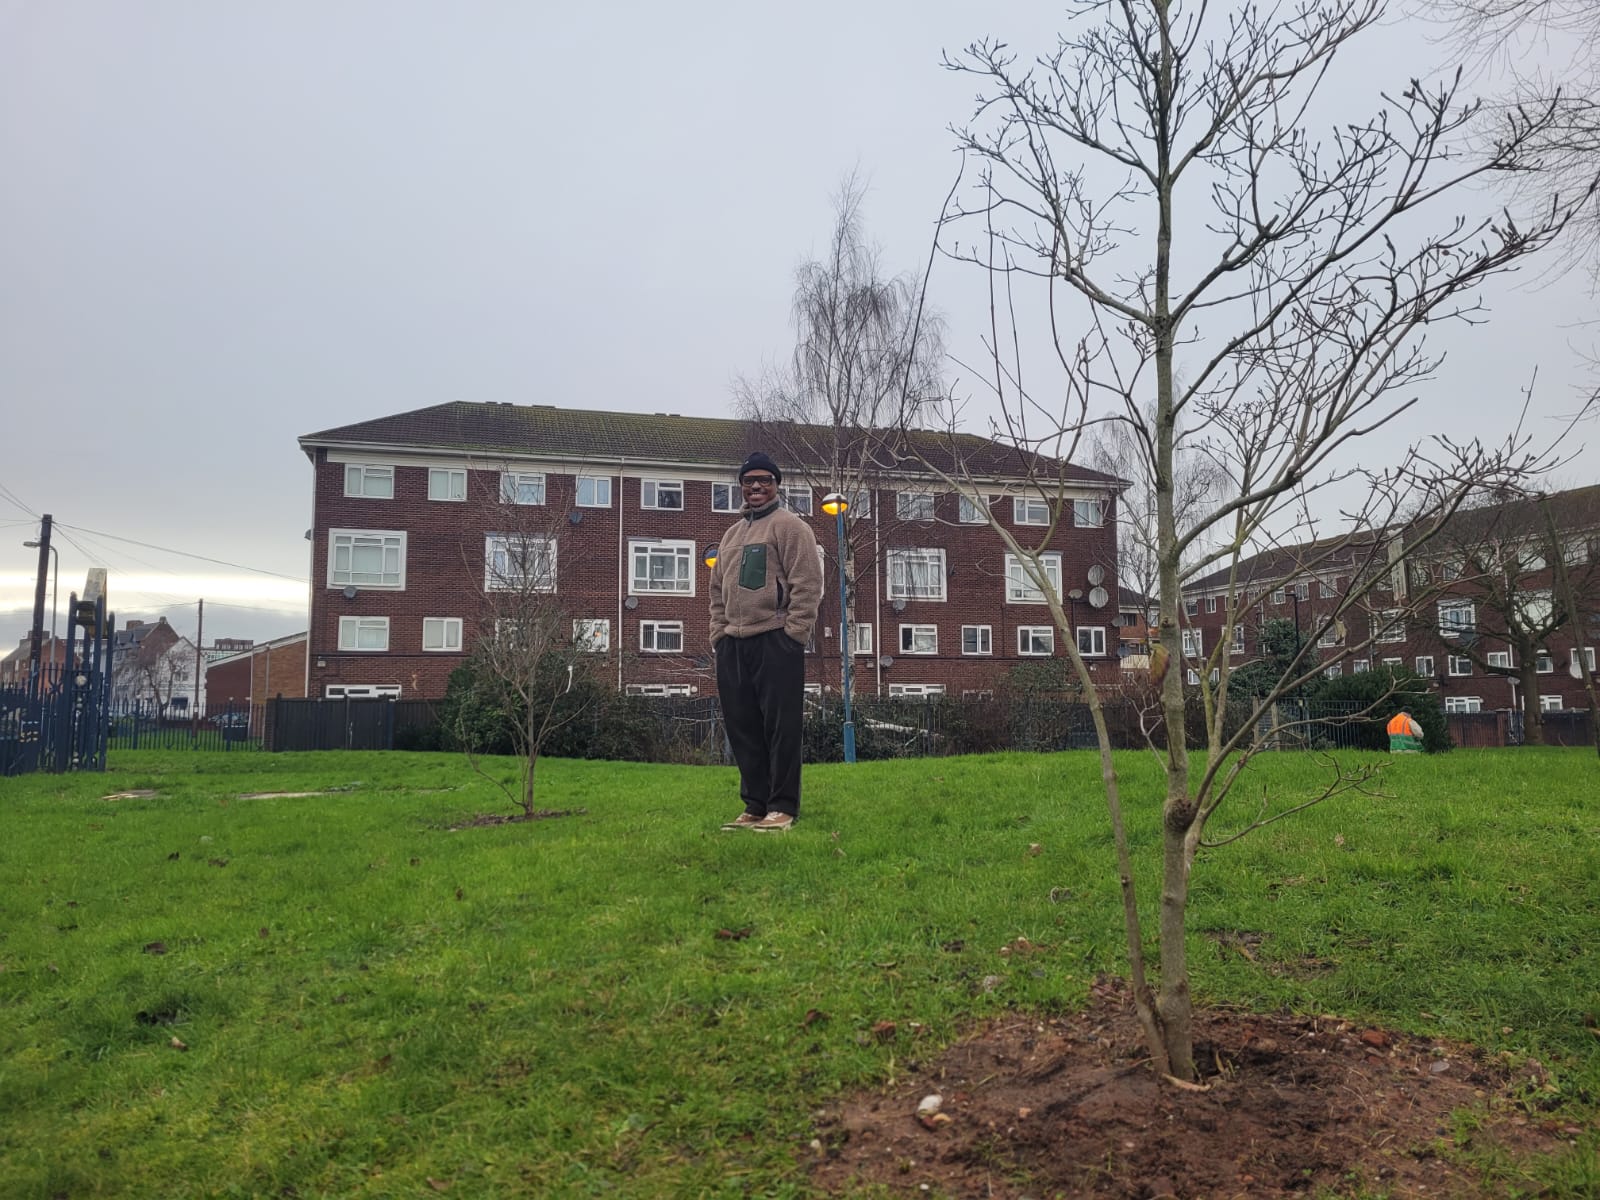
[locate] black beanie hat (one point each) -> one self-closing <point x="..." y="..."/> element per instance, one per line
<point x="760" y="462"/>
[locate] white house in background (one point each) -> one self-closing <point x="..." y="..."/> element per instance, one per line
<point x="153" y="668"/>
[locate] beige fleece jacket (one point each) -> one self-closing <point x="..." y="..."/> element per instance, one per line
<point x="768" y="576"/>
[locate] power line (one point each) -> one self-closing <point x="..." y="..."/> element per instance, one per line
<point x="183" y="553"/>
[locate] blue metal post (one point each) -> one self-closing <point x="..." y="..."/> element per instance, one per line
<point x="844" y="647"/>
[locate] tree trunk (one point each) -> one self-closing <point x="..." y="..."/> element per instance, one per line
<point x="1532" y="713"/>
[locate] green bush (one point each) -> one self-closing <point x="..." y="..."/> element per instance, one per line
<point x="1387" y="691"/>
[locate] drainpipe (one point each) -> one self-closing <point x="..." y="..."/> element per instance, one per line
<point x="622" y="568"/>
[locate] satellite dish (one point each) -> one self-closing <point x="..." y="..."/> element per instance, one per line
<point x="631" y="602"/>
<point x="886" y="661"/>
<point x="350" y="593"/>
<point x="899" y="606"/>
<point x="1098" y="597"/>
<point x="575" y="516"/>
<point x="1097" y="574"/>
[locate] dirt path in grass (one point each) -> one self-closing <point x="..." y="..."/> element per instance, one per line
<point x="1065" y="1106"/>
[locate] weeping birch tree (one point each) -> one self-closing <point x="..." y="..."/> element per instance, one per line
<point x="1219" y="266"/>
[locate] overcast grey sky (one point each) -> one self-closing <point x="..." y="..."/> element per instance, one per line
<point x="224" y="225"/>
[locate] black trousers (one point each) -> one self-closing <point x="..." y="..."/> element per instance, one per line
<point x="761" y="681"/>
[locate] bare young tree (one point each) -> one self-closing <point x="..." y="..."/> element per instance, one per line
<point x="533" y="668"/>
<point x="866" y="363"/>
<point x="1246" y="285"/>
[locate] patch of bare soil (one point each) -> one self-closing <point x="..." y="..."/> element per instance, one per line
<point x="543" y="814"/>
<point x="138" y="794"/>
<point x="1068" y="1106"/>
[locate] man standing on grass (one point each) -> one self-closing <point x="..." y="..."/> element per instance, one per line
<point x="765" y="590"/>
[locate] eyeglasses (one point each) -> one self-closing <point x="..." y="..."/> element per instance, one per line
<point x="757" y="481"/>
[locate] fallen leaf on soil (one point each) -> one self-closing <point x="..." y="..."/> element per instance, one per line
<point x="735" y="935"/>
<point x="813" y="1015"/>
<point x="1034" y="849"/>
<point x="884" y="1031"/>
<point x="438" y="1185"/>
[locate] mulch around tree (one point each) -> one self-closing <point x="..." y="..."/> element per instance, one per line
<point x="490" y="820"/>
<point x="1293" y="1105"/>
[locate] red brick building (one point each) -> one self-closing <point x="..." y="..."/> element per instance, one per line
<point x="411" y="513"/>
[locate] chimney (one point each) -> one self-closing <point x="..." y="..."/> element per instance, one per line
<point x="132" y="624"/>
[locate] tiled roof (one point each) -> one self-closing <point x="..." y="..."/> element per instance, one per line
<point x="547" y="431"/>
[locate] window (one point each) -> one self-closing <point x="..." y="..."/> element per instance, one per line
<point x="1572" y="660"/>
<point x="796" y="497"/>
<point x="1193" y="640"/>
<point x="1532" y="558"/>
<point x="1238" y="640"/>
<point x="972" y="512"/>
<point x="360" y="691"/>
<point x="916" y="689"/>
<point x="1020" y="586"/>
<point x="1394" y="663"/>
<point x="1329" y="636"/>
<point x="1574" y="552"/>
<point x="1457" y="616"/>
<point x="1463" y="704"/>
<point x="661" y="493"/>
<point x="860" y="504"/>
<point x="913" y="506"/>
<point x="441" y="633"/>
<point x="1036" y="639"/>
<point x="1388" y="625"/>
<point x="1303" y="589"/>
<point x="919" y="639"/>
<point x="1030" y="512"/>
<point x="592" y="634"/>
<point x="1193" y="677"/>
<point x="861" y="638"/>
<point x="1277" y="595"/>
<point x="375" y="483"/>
<point x="1333" y="670"/>
<point x="977" y="694"/>
<point x="1191" y="608"/>
<point x="514" y="561"/>
<point x="726" y="497"/>
<point x="1458" y="665"/>
<point x="1092" y="641"/>
<point x="1419" y="573"/>
<point x="661" y="637"/>
<point x="363" y="633"/>
<point x="447" y="483"/>
<point x="661" y="567"/>
<point x="1211" y="604"/>
<point x="916" y="575"/>
<point x="977" y="639"/>
<point x="1327" y="589"/>
<point x="1088" y="514"/>
<point x="659" y="690"/>
<point x="1550" y="704"/>
<point x="594" y="491"/>
<point x="1543" y="663"/>
<point x="1499" y="658"/>
<point x="1449" y="570"/>
<point x="522" y="487"/>
<point x="1424" y="664"/>
<point x="1361" y="666"/>
<point x="369" y="558"/>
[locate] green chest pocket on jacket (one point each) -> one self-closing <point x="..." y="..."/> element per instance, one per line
<point x="753" y="568"/>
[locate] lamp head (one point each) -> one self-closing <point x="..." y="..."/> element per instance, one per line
<point x="833" y="504"/>
<point x="710" y="557"/>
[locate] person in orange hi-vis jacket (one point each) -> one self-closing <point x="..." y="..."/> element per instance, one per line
<point x="1405" y="735"/>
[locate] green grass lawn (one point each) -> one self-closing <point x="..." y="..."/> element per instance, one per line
<point x="372" y="999"/>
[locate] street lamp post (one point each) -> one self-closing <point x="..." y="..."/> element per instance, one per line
<point x="55" y="580"/>
<point x="837" y="505"/>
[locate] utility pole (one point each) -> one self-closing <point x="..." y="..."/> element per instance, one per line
<point x="37" y="634"/>
<point x="199" y="640"/>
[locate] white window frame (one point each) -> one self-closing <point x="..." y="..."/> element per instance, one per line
<point x="446" y="634"/>
<point x="932" y="559"/>
<point x="682" y="554"/>
<point x="1328" y="636"/>
<point x="1279" y="595"/>
<point x="592" y="635"/>
<point x="861" y="637"/>
<point x="351" y="540"/>
<point x="1457" y="665"/>
<point x="796" y="497"/>
<point x="1191" y="607"/>
<point x="1193" y="677"/>
<point x="659" y="690"/>
<point x="653" y="491"/>
<point x="1237" y="646"/>
<point x="597" y="484"/>
<point x="360" y="691"/>
<point x="454" y="480"/>
<point x="982" y="639"/>
<point x="968" y="511"/>
<point x="1193" y="642"/>
<point x="1588" y="658"/>
<point x="364" y="476"/>
<point x="650" y="636"/>
<point x="1498" y="658"/>
<point x="1302" y="589"/>
<point x="1388" y="626"/>
<point x="1097" y="641"/>
<point x="913" y="506"/>
<point x="908" y="690"/>
<point x="1361" y="666"/>
<point x="726" y="497"/>
<point x="919" y="639"/>
<point x="497" y="578"/>
<point x="351" y="630"/>
<point x="1463" y="704"/>
<point x="1020" y="588"/>
<point x="1333" y="670"/>
<point x="1394" y="662"/>
<point x="1549" y="703"/>
<point x="860" y="504"/>
<point x="1036" y="641"/>
<point x="1211" y="604"/>
<point x="1544" y="663"/>
<point x="1029" y="510"/>
<point x="1089" y="513"/>
<point x="978" y="694"/>
<point x="1424" y="670"/>
<point x="1451" y="619"/>
<point x="512" y="484"/>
